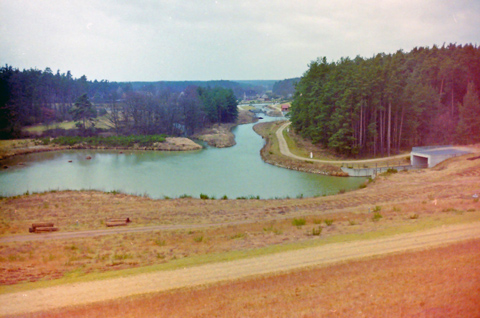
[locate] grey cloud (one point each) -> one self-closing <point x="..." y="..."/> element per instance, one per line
<point x="182" y="40"/>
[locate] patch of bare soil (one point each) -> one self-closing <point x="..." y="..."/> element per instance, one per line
<point x="220" y="135"/>
<point x="176" y="144"/>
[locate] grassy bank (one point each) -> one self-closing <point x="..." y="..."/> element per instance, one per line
<point x="111" y="141"/>
<point x="271" y="153"/>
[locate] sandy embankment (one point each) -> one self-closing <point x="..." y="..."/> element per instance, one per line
<point x="220" y="135"/>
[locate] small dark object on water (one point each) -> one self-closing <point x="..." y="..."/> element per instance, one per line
<point x="5" y="167"/>
<point x="260" y="117"/>
<point x="69" y="160"/>
<point x="88" y="158"/>
<point x="121" y="152"/>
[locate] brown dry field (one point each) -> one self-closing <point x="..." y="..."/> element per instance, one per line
<point x="440" y="282"/>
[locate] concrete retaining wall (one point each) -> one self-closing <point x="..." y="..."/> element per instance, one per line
<point x="373" y="172"/>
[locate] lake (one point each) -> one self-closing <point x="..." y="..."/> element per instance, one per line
<point x="235" y="172"/>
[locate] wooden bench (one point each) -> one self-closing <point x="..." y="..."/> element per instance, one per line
<point x="42" y="227"/>
<point x="117" y="222"/>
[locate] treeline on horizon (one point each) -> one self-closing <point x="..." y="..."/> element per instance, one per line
<point x="33" y="96"/>
<point x="383" y="104"/>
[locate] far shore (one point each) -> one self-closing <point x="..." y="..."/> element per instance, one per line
<point x="28" y="146"/>
<point x="218" y="135"/>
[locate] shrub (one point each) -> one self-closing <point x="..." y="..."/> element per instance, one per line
<point x="449" y="210"/>
<point x="225" y="197"/>
<point x="111" y="141"/>
<point x="377" y="208"/>
<point x="341" y="191"/>
<point x="299" y="222"/>
<point x="198" y="239"/>
<point x="237" y="236"/>
<point x="414" y="216"/>
<point x="362" y="186"/>
<point x="160" y="242"/>
<point x="204" y="196"/>
<point x="376" y="216"/>
<point x="328" y="222"/>
<point x="273" y="230"/>
<point x="317" y="231"/>
<point x="352" y="222"/>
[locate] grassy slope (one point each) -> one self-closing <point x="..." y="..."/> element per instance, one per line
<point x="101" y="122"/>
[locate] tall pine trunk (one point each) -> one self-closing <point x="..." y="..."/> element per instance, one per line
<point x="400" y="129"/>
<point x="389" y="131"/>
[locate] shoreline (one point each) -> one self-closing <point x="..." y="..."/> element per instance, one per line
<point x="271" y="155"/>
<point x="171" y="144"/>
<point x="218" y="136"/>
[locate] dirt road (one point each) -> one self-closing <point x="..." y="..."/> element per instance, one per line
<point x="282" y="143"/>
<point x="110" y="231"/>
<point x="97" y="291"/>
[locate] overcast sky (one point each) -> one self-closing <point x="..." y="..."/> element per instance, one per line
<point x="148" y="40"/>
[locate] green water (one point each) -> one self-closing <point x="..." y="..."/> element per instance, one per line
<point x="236" y="172"/>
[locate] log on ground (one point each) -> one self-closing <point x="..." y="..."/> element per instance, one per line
<point x="119" y="220"/>
<point x="110" y="224"/>
<point x="45" y="229"/>
<point x="44" y="224"/>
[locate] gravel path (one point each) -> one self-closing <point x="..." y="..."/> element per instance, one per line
<point x="97" y="291"/>
<point x="110" y="231"/>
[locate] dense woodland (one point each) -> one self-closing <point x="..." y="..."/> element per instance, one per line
<point x="285" y="88"/>
<point x="380" y="105"/>
<point x="32" y="97"/>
